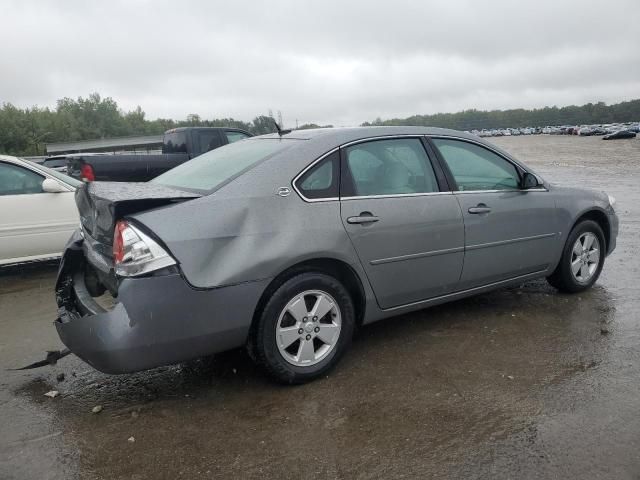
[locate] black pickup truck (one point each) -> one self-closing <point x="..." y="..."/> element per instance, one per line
<point x="178" y="146"/>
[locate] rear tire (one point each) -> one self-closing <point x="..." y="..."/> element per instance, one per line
<point x="582" y="259"/>
<point x="292" y="343"/>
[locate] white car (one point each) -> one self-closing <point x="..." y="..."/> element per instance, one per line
<point x="38" y="212"/>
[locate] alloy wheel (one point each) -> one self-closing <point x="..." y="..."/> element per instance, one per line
<point x="308" y="328"/>
<point x="585" y="257"/>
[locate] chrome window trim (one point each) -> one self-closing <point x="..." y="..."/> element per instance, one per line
<point x="383" y="137"/>
<point x="407" y="135"/>
<point x="305" y="170"/>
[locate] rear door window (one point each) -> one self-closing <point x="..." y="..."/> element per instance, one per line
<point x="390" y="167"/>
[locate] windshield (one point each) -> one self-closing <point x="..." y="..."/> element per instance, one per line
<point x="60" y="176"/>
<point x="210" y="170"/>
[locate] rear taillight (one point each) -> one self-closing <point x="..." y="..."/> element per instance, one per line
<point x="86" y="173"/>
<point x="135" y="253"/>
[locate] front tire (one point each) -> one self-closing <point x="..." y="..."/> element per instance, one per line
<point x="582" y="259"/>
<point x="304" y="328"/>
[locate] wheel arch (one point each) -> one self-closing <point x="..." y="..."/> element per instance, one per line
<point x="338" y="269"/>
<point x="601" y="219"/>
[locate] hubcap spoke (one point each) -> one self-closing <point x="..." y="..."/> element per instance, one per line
<point x="288" y="335"/>
<point x="584" y="271"/>
<point x="328" y="333"/>
<point x="577" y="248"/>
<point x="594" y="255"/>
<point x="298" y="309"/>
<point x="575" y="266"/>
<point x="306" y="352"/>
<point x="588" y="241"/>
<point x="322" y="306"/>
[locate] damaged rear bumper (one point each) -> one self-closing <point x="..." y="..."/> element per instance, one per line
<point x="157" y="320"/>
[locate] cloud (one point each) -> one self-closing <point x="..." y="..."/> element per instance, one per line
<point x="323" y="62"/>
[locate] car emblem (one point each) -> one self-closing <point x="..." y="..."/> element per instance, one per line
<point x="284" y="191"/>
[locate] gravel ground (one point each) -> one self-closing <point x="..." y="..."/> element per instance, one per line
<point x="519" y="383"/>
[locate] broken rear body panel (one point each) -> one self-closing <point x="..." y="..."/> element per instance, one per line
<point x="156" y="320"/>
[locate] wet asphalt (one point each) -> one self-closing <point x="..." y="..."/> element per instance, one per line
<point x="519" y="383"/>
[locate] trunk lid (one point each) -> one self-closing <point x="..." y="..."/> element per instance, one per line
<point x="102" y="204"/>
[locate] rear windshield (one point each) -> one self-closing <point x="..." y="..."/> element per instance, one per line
<point x="212" y="169"/>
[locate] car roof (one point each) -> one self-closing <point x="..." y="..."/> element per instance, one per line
<point x="314" y="143"/>
<point x="12" y="159"/>
<point x="348" y="134"/>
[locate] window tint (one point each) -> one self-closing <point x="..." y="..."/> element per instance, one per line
<point x="208" y="140"/>
<point x="322" y="180"/>
<point x="235" y="136"/>
<point x="175" y="142"/>
<point x="476" y="168"/>
<point x="390" y="167"/>
<point x="16" y="180"/>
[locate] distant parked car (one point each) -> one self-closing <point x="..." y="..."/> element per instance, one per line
<point x="38" y="213"/>
<point x="288" y="243"/>
<point x="619" y="135"/>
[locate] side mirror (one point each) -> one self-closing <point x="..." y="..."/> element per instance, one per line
<point x="49" y="185"/>
<point x="529" y="180"/>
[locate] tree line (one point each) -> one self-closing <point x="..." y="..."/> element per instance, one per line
<point x="25" y="131"/>
<point x="588" y="114"/>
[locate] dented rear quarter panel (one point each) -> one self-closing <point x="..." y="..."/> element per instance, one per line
<point x="246" y="232"/>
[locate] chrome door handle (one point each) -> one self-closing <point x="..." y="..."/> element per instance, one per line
<point x="480" y="208"/>
<point x="363" y="218"/>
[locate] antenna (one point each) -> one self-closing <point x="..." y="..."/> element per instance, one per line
<point x="281" y="132"/>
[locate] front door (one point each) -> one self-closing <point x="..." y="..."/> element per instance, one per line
<point x="408" y="234"/>
<point x="509" y="232"/>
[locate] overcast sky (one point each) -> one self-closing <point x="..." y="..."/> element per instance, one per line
<point x="340" y="62"/>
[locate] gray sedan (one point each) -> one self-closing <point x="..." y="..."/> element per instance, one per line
<point x="288" y="243"/>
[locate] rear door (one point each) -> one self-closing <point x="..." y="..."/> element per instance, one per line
<point x="33" y="223"/>
<point x="509" y="231"/>
<point x="405" y="225"/>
